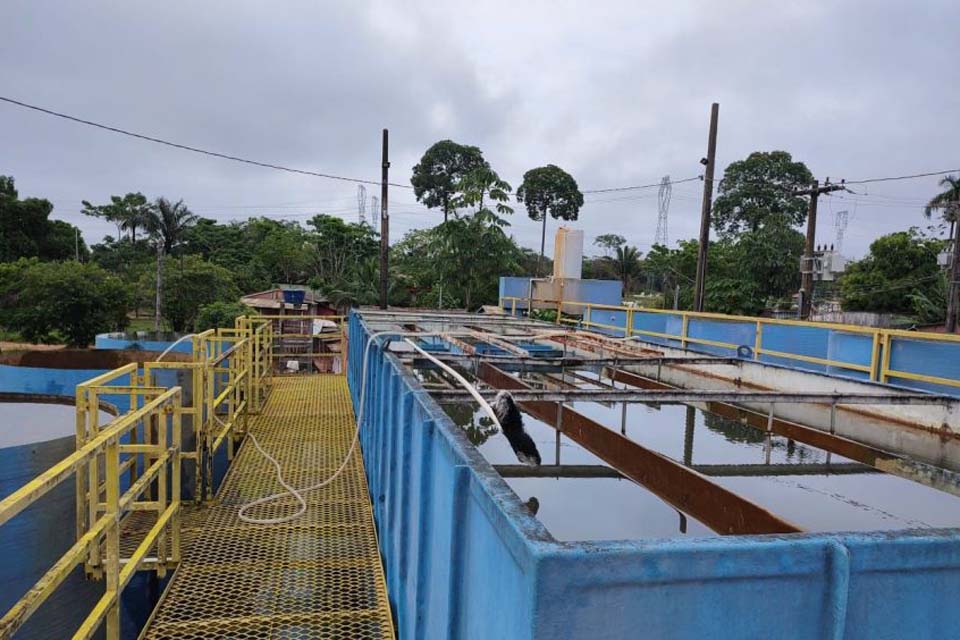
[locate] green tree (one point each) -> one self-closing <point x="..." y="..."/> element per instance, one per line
<point x="470" y="254"/>
<point x="63" y="241"/>
<point x="340" y="248"/>
<point x="129" y="212"/>
<point x="626" y="263"/>
<point x="930" y="303"/>
<point x="899" y="267"/>
<point x="610" y="242"/>
<point x="219" y="314"/>
<point x="190" y="283"/>
<point x="167" y="222"/>
<point x="736" y="296"/>
<point x="769" y="257"/>
<point x="549" y="190"/>
<point x="286" y="253"/>
<point x="26" y="230"/>
<point x="482" y="185"/>
<point x="437" y="177"/>
<point x="759" y="190"/>
<point x="947" y="201"/>
<point x="52" y="301"/>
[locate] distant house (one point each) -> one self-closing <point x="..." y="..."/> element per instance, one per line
<point x="272" y="302"/>
<point x="307" y="344"/>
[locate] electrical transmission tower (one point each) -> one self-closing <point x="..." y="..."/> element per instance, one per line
<point x="663" y="202"/>
<point x="361" y="203"/>
<point x="374" y="208"/>
<point x="840" y="222"/>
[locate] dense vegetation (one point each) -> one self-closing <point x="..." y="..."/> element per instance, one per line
<point x="182" y="271"/>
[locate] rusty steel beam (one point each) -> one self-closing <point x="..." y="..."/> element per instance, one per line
<point x="713" y="470"/>
<point x="718" y="508"/>
<point x="684" y="396"/>
<point x="531" y="363"/>
<point x="894" y="464"/>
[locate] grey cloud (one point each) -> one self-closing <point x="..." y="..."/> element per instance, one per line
<point x="617" y="93"/>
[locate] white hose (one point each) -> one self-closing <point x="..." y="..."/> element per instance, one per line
<point x="175" y="343"/>
<point x="298" y="493"/>
<point x="463" y="382"/>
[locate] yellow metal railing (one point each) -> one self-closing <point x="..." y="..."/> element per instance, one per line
<point x="879" y="368"/>
<point x="132" y="465"/>
<point x="312" y="341"/>
<point x="105" y="455"/>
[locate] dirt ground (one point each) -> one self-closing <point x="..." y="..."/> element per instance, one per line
<point x="26" y="346"/>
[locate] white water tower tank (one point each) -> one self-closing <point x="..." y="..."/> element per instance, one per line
<point x="568" y="253"/>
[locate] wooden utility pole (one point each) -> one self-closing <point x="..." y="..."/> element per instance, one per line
<point x="953" y="290"/>
<point x="384" y="223"/>
<point x="700" y="283"/>
<point x="807" y="262"/>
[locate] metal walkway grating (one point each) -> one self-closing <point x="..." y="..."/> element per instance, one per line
<point x="316" y="577"/>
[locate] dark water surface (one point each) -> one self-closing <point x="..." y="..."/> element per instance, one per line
<point x="610" y="509"/>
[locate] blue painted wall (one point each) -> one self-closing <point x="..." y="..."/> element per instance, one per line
<point x="907" y="354"/>
<point x="465" y="559"/>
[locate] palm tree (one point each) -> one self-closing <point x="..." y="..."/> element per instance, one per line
<point x="627" y="264"/>
<point x="948" y="201"/>
<point x="170" y="221"/>
<point x="167" y="223"/>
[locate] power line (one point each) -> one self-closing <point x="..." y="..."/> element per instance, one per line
<point x="639" y="186"/>
<point x="330" y="176"/>
<point x="185" y="147"/>
<point x="908" y="177"/>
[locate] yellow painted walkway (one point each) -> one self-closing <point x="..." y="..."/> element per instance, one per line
<point x="316" y="577"/>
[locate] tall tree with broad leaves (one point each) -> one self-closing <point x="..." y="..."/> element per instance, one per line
<point x="759" y="190"/>
<point x="26" y="230"/>
<point x="482" y="186"/>
<point x="167" y="222"/>
<point x="129" y="212"/>
<point x="947" y="202"/>
<point x="549" y="190"/>
<point x="900" y="267"/>
<point x="609" y="242"/>
<point x="437" y="177"/>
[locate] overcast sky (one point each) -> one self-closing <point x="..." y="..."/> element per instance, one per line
<point x="615" y="93"/>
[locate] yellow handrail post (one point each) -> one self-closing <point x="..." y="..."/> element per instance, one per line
<point x="175" y="484"/>
<point x="683" y="329"/>
<point x="628" y="327"/>
<point x="162" y="490"/>
<point x="93" y="481"/>
<point x="885" y="360"/>
<point x="758" y="340"/>
<point x="208" y="427"/>
<point x="874" y="355"/>
<point x="112" y="541"/>
<point x="80" y="481"/>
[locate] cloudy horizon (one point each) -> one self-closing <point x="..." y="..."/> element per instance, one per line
<point x="616" y="93"/>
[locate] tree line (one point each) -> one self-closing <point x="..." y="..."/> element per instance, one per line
<point x="184" y="271"/>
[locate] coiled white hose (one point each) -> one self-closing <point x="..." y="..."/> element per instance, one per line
<point x="298" y="493"/>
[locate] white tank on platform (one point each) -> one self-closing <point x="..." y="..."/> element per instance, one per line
<point x="568" y="254"/>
